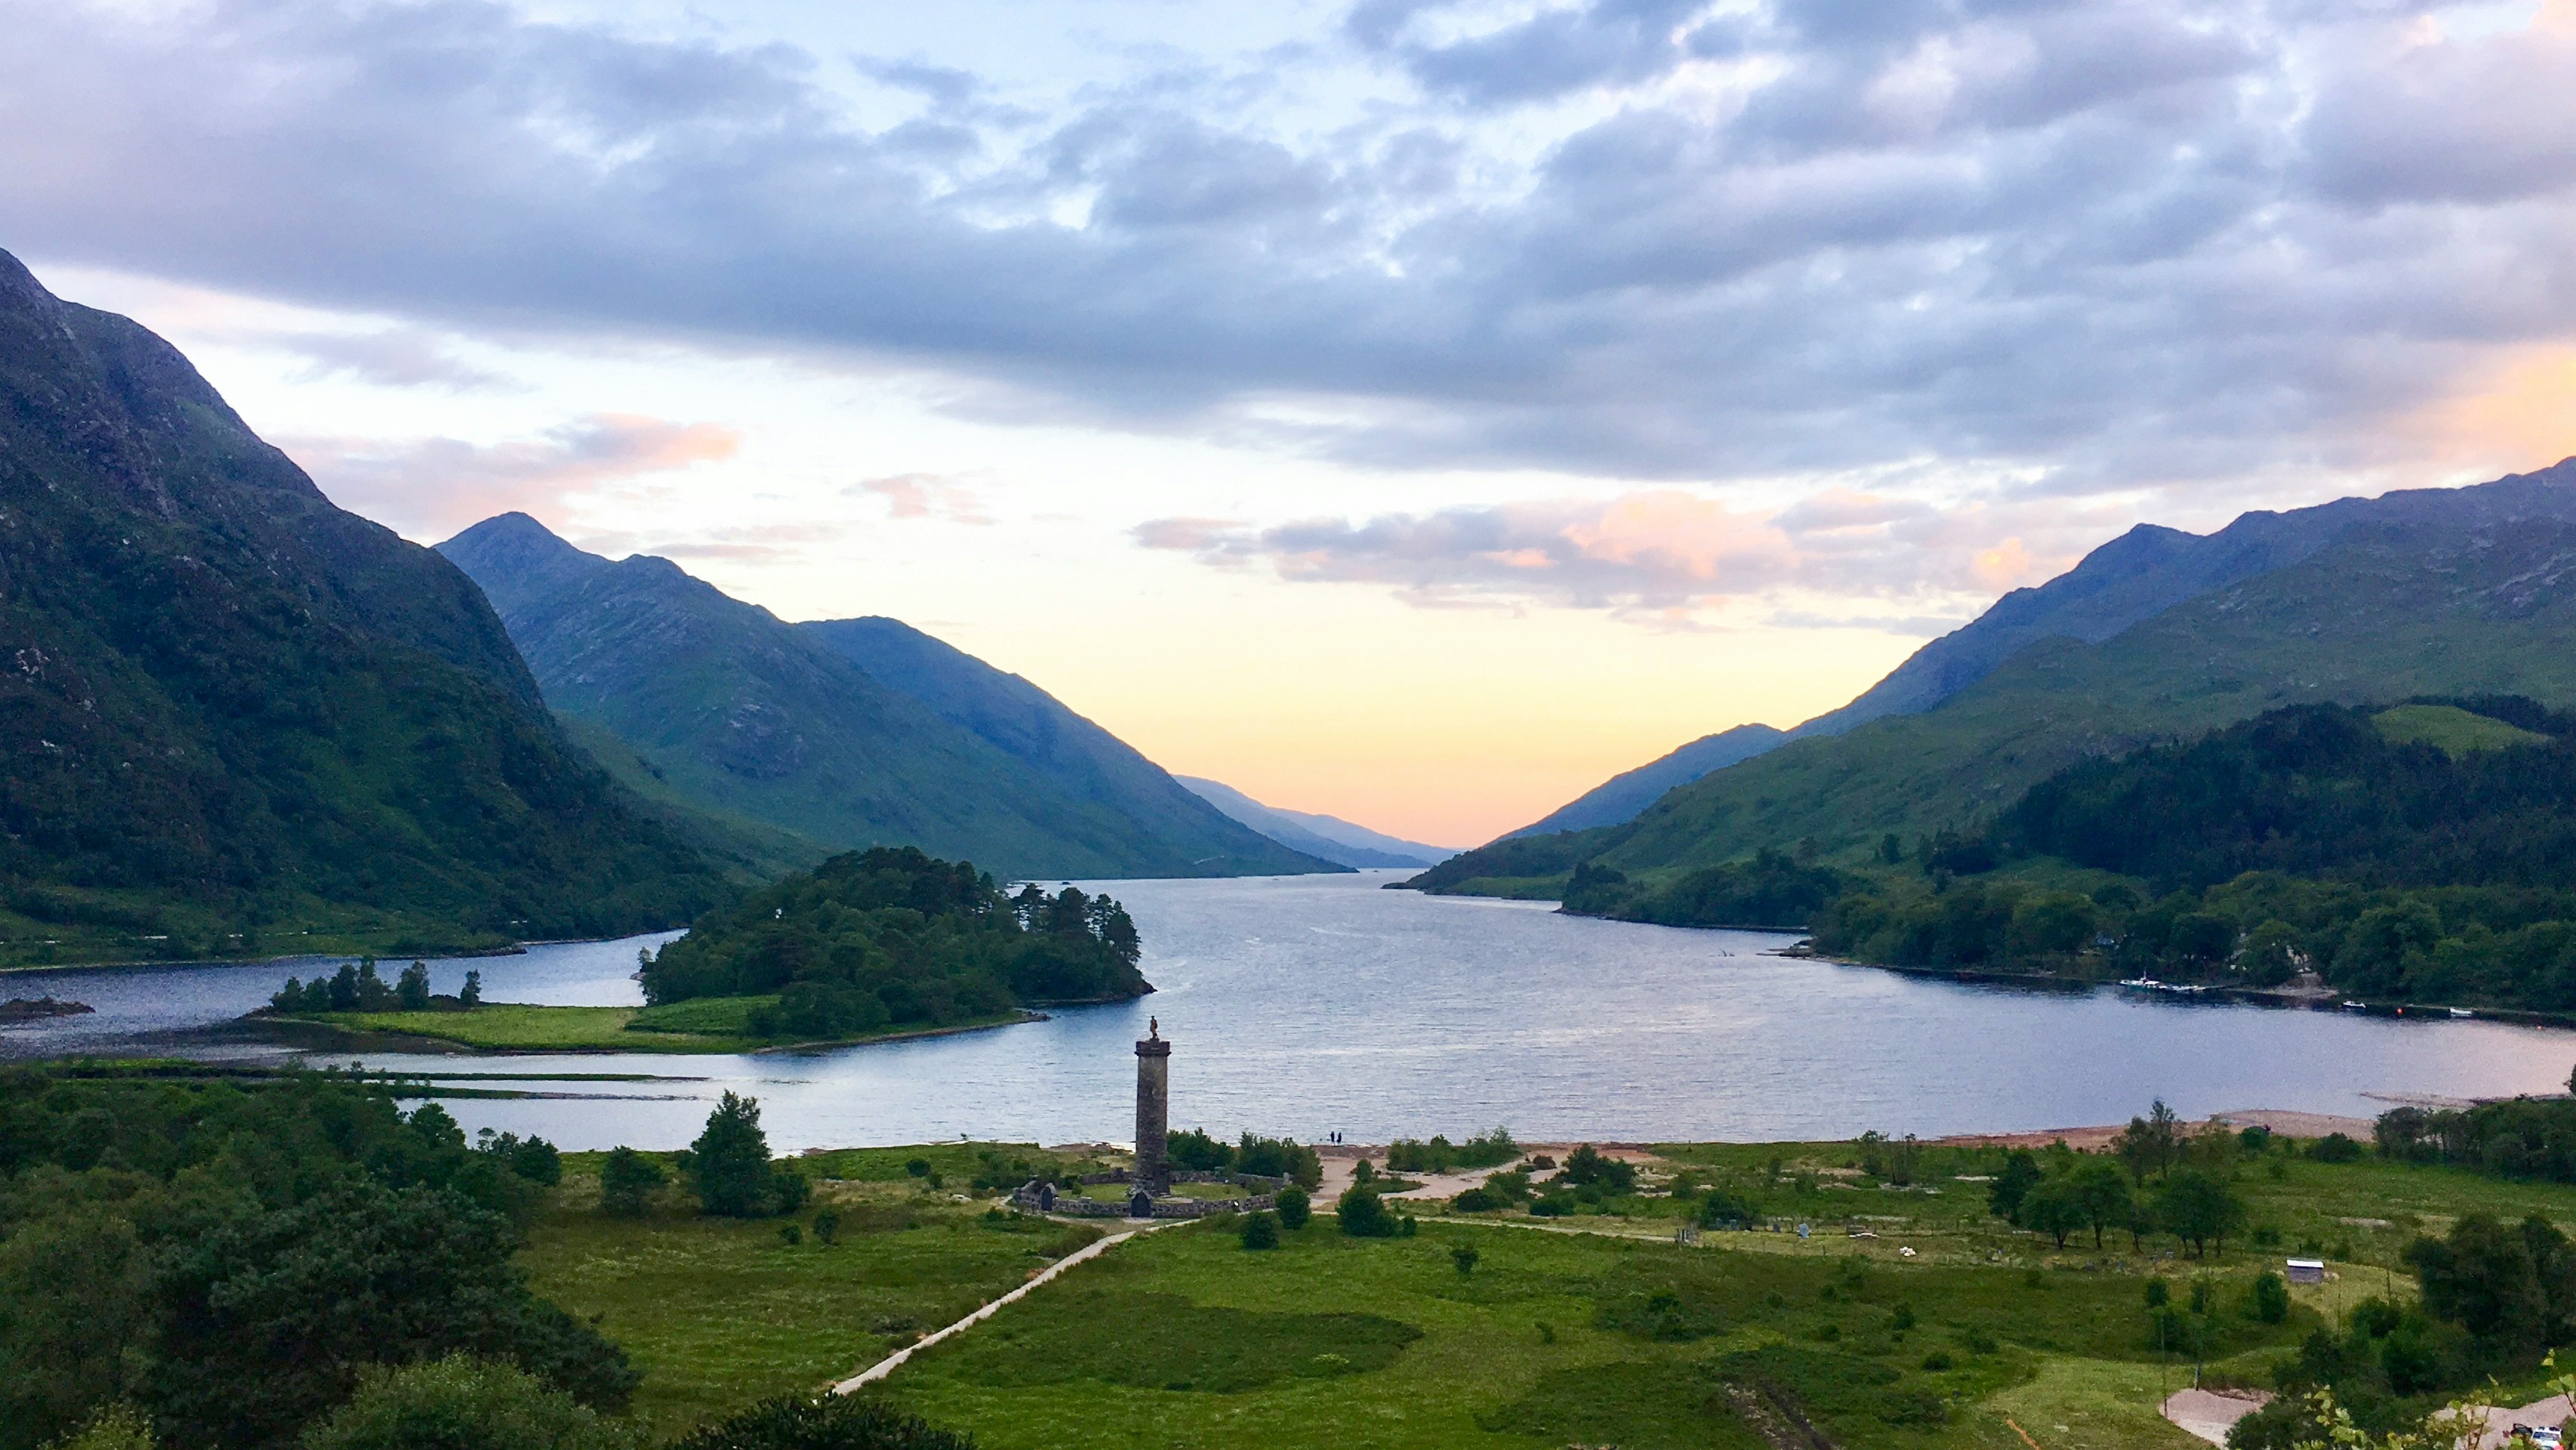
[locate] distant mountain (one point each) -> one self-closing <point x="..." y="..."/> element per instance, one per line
<point x="1330" y="837"/>
<point x="1623" y="795"/>
<point x="2132" y="578"/>
<point x="2150" y="569"/>
<point x="730" y="710"/>
<point x="239" y="719"/>
<point x="2432" y="592"/>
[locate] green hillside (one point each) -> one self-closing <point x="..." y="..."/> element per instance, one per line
<point x="239" y="719"/>
<point x="2386" y="613"/>
<point x="735" y="714"/>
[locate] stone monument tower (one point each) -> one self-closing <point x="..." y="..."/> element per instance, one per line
<point x="1153" y="1108"/>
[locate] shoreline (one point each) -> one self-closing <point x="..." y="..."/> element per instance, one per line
<point x="284" y="1031"/>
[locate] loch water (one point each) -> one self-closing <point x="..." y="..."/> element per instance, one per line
<point x="1309" y="1005"/>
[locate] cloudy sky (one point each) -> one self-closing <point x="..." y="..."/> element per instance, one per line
<point x="1405" y="410"/>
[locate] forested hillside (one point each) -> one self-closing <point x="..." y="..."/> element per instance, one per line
<point x="732" y="712"/>
<point x="238" y="719"/>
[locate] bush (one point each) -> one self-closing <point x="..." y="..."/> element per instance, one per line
<point x="2335" y="1148"/>
<point x="1464" y="1256"/>
<point x="463" y="1403"/>
<point x="1474" y="1200"/>
<point x="834" y="1422"/>
<point x="827" y="1227"/>
<point x="627" y="1181"/>
<point x="2269" y="1300"/>
<point x="1294" y="1209"/>
<point x="1260" y="1231"/>
<point x="1363" y="1215"/>
<point x="1586" y="1167"/>
<point x="118" y="1427"/>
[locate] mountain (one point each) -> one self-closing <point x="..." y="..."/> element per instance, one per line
<point x="2443" y="592"/>
<point x="2132" y="578"/>
<point x="1623" y="795"/>
<point x="2150" y="569"/>
<point x="731" y="711"/>
<point x="1330" y="837"/>
<point x="235" y="714"/>
<point x="1033" y="727"/>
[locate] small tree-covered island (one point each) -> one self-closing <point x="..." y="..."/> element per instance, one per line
<point x="869" y="944"/>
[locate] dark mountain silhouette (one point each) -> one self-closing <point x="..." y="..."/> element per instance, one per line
<point x="236" y="715"/>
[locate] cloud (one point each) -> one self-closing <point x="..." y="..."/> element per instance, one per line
<point x="2123" y="243"/>
<point x="432" y="487"/>
<point x="926" y="496"/>
<point x="1662" y="556"/>
<point x="394" y="357"/>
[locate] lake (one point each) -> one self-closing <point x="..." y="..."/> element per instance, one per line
<point x="1307" y="1005"/>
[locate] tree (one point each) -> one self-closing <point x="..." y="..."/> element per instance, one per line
<point x="2101" y="1193"/>
<point x="2020" y="1174"/>
<point x="1260" y="1230"/>
<point x="1363" y="1215"/>
<point x="464" y="1403"/>
<point x="834" y="1422"/>
<point x="1294" y="1208"/>
<point x="471" y="995"/>
<point x="2269" y="1300"/>
<point x="729" y="1165"/>
<point x="2271" y="953"/>
<point x="2051" y="1207"/>
<point x="267" y="1319"/>
<point x="2151" y="1144"/>
<point x="1464" y="1256"/>
<point x="2486" y="1278"/>
<point x="627" y="1181"/>
<point x="411" y="989"/>
<point x="2199" y="1208"/>
<point x="75" y="1300"/>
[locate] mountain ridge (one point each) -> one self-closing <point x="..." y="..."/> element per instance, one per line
<point x="1329" y="837"/>
<point x="732" y="708"/>
<point x="236" y="708"/>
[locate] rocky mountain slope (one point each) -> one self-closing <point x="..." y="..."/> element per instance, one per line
<point x="235" y="714"/>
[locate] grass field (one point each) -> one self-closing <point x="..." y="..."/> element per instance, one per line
<point x="715" y="1024"/>
<point x="1596" y="1329"/>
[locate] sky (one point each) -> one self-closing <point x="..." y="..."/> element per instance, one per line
<point x="1415" y="412"/>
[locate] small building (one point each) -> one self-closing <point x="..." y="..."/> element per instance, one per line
<point x="2307" y="1271"/>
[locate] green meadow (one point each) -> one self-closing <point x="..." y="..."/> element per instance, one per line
<point x="1592" y="1329"/>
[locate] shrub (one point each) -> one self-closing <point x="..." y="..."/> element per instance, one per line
<point x="463" y="1403"/>
<point x="827" y="1227"/>
<point x="118" y="1427"/>
<point x="627" y="1181"/>
<point x="1464" y="1256"/>
<point x="1475" y="1200"/>
<point x="2335" y="1148"/>
<point x="1260" y="1231"/>
<point x="790" y="1235"/>
<point x="1586" y="1167"/>
<point x="834" y="1422"/>
<point x="2269" y="1301"/>
<point x="1294" y="1209"/>
<point x="1363" y="1214"/>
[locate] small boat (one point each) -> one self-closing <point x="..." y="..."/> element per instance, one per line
<point x="2462" y="1012"/>
<point x="2357" y="1006"/>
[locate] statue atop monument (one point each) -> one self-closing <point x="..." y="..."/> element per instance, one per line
<point x="1153" y="1109"/>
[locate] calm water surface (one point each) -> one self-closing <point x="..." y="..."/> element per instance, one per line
<point x="1306" y="1005"/>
